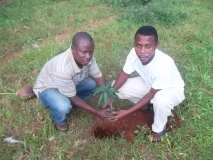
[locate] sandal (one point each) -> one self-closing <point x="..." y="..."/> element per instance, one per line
<point x="61" y="127"/>
<point x="26" y="92"/>
<point x="156" y="137"/>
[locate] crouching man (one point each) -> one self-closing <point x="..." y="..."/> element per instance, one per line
<point x="68" y="79"/>
<point x="159" y="81"/>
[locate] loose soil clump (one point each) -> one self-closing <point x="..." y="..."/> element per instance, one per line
<point x="129" y="126"/>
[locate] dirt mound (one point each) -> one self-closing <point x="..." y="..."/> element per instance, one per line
<point x="127" y="127"/>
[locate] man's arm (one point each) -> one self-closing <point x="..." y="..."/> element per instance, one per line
<point x="121" y="79"/>
<point x="145" y="100"/>
<point x="83" y="105"/>
<point x="77" y="101"/>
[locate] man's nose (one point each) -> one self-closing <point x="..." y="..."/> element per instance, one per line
<point x="142" y="50"/>
<point x="87" y="56"/>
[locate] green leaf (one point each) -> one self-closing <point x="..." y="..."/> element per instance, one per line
<point x="100" y="100"/>
<point x="105" y="98"/>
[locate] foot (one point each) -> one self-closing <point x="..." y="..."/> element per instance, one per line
<point x="26" y="92"/>
<point x="62" y="127"/>
<point x="156" y="137"/>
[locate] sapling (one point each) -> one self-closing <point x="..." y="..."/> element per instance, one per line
<point x="106" y="93"/>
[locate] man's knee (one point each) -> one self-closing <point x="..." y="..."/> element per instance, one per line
<point x="133" y="89"/>
<point x="86" y="85"/>
<point x="63" y="106"/>
<point x="161" y="102"/>
<point x="91" y="84"/>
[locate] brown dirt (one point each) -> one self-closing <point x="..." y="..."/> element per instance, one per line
<point x="10" y="55"/>
<point x="3" y="2"/>
<point x="62" y="36"/>
<point x="126" y="127"/>
<point x="65" y="34"/>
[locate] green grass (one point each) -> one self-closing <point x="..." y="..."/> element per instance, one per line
<point x="31" y="32"/>
<point x="147" y="11"/>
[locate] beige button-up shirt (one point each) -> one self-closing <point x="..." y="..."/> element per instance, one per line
<point x="63" y="73"/>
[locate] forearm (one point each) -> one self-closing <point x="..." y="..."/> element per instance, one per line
<point x="143" y="102"/>
<point x="122" y="77"/>
<point x="83" y="105"/>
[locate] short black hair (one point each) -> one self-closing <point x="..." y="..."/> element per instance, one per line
<point x="147" y="31"/>
<point x="81" y="36"/>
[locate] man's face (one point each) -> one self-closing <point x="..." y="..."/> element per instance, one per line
<point x="145" y="48"/>
<point x="83" y="52"/>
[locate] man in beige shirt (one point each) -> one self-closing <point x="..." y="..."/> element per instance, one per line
<point x="69" y="78"/>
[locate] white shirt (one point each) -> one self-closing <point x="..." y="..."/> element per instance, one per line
<point x="160" y="73"/>
<point x="63" y="73"/>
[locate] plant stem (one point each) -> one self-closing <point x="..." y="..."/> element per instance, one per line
<point x="6" y="93"/>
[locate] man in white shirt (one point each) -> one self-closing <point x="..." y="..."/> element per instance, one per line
<point x="69" y="78"/>
<point x="159" y="81"/>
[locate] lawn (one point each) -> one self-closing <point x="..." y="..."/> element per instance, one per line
<point x="33" y="31"/>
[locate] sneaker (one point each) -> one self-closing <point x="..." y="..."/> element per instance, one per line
<point x="62" y="127"/>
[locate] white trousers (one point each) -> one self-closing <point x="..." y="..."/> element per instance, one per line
<point x="134" y="89"/>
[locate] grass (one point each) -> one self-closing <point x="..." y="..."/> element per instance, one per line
<point x="147" y="11"/>
<point x="33" y="31"/>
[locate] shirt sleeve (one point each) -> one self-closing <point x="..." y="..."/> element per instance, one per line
<point x="94" y="70"/>
<point x="129" y="64"/>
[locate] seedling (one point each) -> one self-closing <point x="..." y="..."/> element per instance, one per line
<point x="106" y="92"/>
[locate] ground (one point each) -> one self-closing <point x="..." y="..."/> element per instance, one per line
<point x="34" y="31"/>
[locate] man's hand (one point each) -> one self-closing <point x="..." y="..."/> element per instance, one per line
<point x="118" y="115"/>
<point x="106" y="113"/>
<point x="102" y="113"/>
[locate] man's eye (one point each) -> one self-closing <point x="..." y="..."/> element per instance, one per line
<point x="138" y="46"/>
<point x="148" y="46"/>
